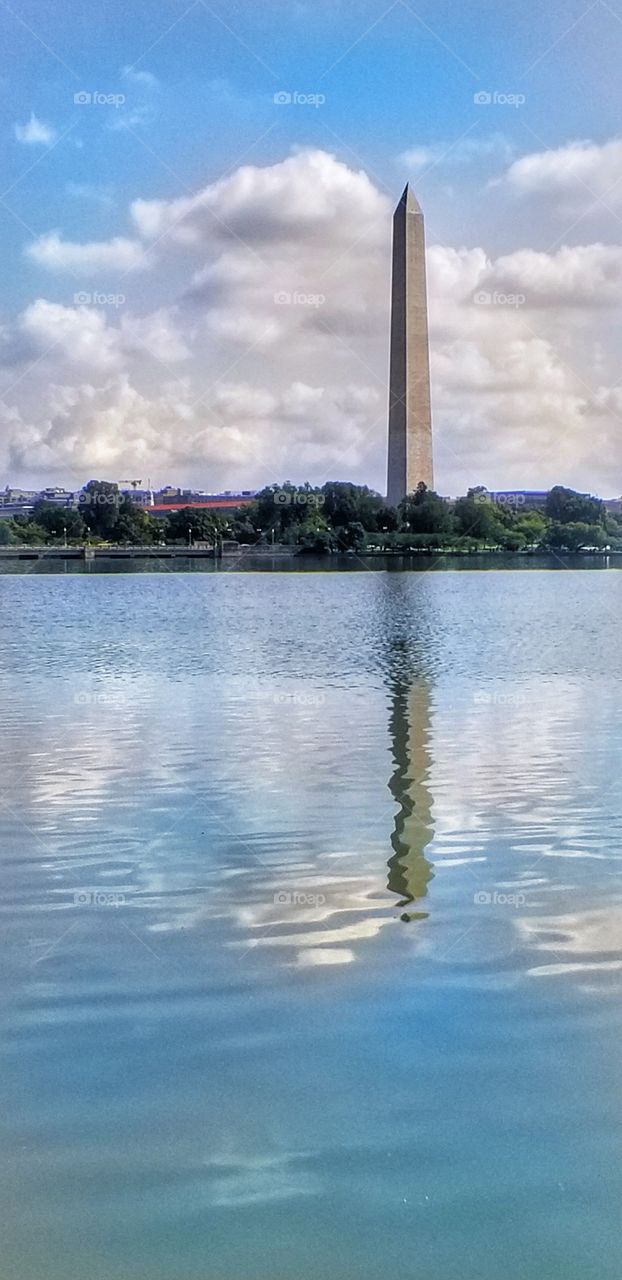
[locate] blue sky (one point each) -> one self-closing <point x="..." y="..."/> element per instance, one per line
<point x="198" y="373"/>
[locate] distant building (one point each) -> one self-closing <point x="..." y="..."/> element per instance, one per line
<point x="142" y="497"/>
<point x="170" y="496"/>
<point x="58" y="497"/>
<point x="202" y="502"/>
<point x="16" y="502"/>
<point x="17" y="495"/>
<point x="10" y="509"/>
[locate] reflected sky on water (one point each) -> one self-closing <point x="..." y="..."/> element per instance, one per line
<point x="312" y="926"/>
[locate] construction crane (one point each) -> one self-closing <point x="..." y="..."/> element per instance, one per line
<point x="137" y="484"/>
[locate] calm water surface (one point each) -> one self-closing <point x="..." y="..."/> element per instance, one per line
<point x="312" y="926"/>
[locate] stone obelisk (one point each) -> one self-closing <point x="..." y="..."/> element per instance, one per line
<point x="410" y="419"/>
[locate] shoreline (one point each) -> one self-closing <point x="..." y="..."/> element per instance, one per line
<point x="291" y="559"/>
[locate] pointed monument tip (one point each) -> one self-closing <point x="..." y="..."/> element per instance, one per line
<point x="410" y="200"/>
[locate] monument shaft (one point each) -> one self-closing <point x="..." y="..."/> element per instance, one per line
<point x="410" y="418"/>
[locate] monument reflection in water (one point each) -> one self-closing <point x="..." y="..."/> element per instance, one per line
<point x="410" y="728"/>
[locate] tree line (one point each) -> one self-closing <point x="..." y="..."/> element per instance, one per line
<point x="337" y="516"/>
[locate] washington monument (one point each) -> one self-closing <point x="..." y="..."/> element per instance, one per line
<point x="410" y="420"/>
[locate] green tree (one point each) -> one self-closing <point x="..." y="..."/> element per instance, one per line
<point x="346" y="503"/>
<point x="282" y="509"/>
<point x="566" y="506"/>
<point x="315" y="540"/>
<point x="576" y="536"/>
<point x="477" y="516"/>
<point x="133" y="525"/>
<point x="244" y="531"/>
<point x="28" y="531"/>
<point x="99" y="507"/>
<point x="424" y="512"/>
<point x="195" y="524"/>
<point x="351" y="537"/>
<point x="387" y="520"/>
<point x="532" y="526"/>
<point x="159" y="530"/>
<point x="59" y="520"/>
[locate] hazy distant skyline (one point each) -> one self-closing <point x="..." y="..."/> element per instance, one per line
<point x="196" y="217"/>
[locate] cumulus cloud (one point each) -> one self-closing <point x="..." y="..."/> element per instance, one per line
<point x="90" y="259"/>
<point x="301" y="198"/>
<point x="515" y="398"/>
<point x="35" y="132"/>
<point x="576" y="176"/>
<point x="80" y="334"/>
<point x="86" y="336"/>
<point x="577" y="276"/>
<point x="86" y="428"/>
<point x="82" y="427"/>
<point x="273" y="299"/>
<point x="156" y="334"/>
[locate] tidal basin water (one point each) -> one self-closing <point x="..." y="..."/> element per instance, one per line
<point x="312" y="926"/>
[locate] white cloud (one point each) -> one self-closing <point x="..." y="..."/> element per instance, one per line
<point x="155" y="335"/>
<point x="87" y="427"/>
<point x="468" y="150"/>
<point x="138" y="110"/>
<point x="35" y="132"/>
<point x="577" y="276"/>
<point x="79" y="334"/>
<point x="300" y="198"/>
<point x="87" y="335"/>
<point x="273" y="295"/>
<point x="516" y="388"/>
<point x="119" y="254"/>
<point x="139" y="76"/>
<point x="575" y="176"/>
<point x="136" y="117"/>
<point x="80" y="427"/>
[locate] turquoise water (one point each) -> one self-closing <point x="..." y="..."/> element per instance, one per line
<point x="312" y="926"/>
